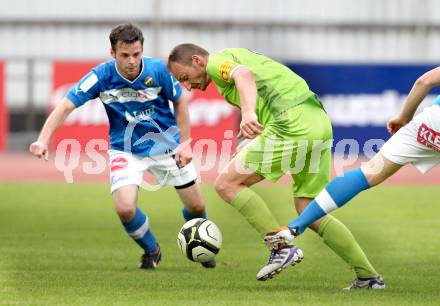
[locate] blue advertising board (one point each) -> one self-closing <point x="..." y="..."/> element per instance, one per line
<point x="361" y="98"/>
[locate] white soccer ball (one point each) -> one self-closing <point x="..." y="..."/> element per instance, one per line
<point x="199" y="240"/>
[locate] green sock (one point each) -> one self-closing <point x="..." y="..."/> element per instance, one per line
<point x="339" y="238"/>
<point x="254" y="209"/>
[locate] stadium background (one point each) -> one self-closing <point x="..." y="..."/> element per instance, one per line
<point x="360" y="56"/>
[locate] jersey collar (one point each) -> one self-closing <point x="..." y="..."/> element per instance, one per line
<point x="140" y="73"/>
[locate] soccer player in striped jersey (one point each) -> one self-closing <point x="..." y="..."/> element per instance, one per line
<point x="145" y="133"/>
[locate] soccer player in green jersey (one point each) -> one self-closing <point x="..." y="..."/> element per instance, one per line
<point x="289" y="131"/>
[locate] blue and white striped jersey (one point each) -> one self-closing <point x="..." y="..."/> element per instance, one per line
<point x="141" y="119"/>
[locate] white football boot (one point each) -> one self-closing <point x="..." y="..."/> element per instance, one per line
<point x="280" y="259"/>
<point x="374" y="283"/>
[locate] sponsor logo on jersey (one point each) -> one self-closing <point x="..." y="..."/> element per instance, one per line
<point x="144" y="115"/>
<point x="118" y="163"/>
<point x="124" y="95"/>
<point x="429" y="137"/>
<point x="225" y="68"/>
<point x="148" y="81"/>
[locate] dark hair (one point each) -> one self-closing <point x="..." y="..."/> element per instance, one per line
<point x="127" y="33"/>
<point x="183" y="53"/>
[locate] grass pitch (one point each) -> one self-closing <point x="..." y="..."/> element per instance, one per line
<point x="62" y="244"/>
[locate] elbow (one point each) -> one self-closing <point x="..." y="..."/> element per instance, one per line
<point x="426" y="81"/>
<point x="69" y="109"/>
<point x="63" y="109"/>
<point x="66" y="106"/>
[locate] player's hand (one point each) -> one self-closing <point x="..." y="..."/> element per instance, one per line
<point x="249" y="126"/>
<point x="183" y="155"/>
<point x="395" y="124"/>
<point x="40" y="150"/>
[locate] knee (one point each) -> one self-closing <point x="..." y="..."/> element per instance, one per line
<point x="219" y="185"/>
<point x="223" y="188"/>
<point x="125" y="211"/>
<point x="378" y="169"/>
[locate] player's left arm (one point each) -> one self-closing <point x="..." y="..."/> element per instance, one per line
<point x="173" y="92"/>
<point x="418" y="92"/>
<point x="184" y="153"/>
<point x="247" y="88"/>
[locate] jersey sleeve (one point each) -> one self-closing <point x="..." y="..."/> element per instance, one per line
<point x="170" y="86"/>
<point x="86" y="89"/>
<point x="221" y="67"/>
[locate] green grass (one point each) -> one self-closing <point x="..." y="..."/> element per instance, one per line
<point x="62" y="244"/>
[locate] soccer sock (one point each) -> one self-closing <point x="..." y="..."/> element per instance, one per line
<point x="338" y="192"/>
<point x="138" y="229"/>
<point x="255" y="211"/>
<point x="187" y="215"/>
<point x="339" y="238"/>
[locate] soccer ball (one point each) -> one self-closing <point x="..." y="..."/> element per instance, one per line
<point x="199" y="240"/>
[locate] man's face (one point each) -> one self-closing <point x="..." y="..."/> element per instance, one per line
<point x="128" y="59"/>
<point x="193" y="76"/>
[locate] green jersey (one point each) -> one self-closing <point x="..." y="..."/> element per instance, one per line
<point x="278" y="87"/>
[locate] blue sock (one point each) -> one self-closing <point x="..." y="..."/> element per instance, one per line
<point x="338" y="192"/>
<point x="189" y="216"/>
<point x="138" y="229"/>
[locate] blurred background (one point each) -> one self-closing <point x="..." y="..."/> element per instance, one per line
<point x="361" y="56"/>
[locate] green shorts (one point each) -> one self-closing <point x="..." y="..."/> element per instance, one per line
<point x="296" y="141"/>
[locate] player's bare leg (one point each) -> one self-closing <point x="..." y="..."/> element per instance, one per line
<point x="136" y="225"/>
<point x="192" y="199"/>
<point x="125" y="199"/>
<point x="378" y="169"/>
<point x="232" y="180"/>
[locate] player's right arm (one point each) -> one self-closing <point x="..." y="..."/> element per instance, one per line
<point x="40" y="148"/>
<point x="86" y="89"/>
<point x="224" y="71"/>
<point x="247" y="89"/>
<point x="418" y="92"/>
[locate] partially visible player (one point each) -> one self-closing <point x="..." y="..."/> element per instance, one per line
<point x="278" y="109"/>
<point x="415" y="141"/>
<point x="144" y="133"/>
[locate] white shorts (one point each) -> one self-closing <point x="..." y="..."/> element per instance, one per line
<point x="418" y="142"/>
<point x="128" y="169"/>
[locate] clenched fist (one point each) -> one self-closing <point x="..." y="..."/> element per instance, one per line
<point x="40" y="150"/>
